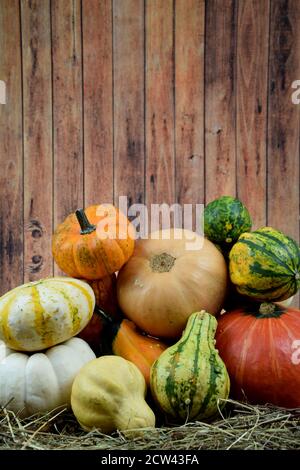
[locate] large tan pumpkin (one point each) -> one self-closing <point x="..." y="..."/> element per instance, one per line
<point x="165" y="281"/>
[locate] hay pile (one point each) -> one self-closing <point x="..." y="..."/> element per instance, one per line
<point x="240" y="426"/>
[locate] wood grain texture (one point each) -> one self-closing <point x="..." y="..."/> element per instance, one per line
<point x="160" y="155"/>
<point x="252" y="106"/>
<point x="128" y="53"/>
<point x="189" y="100"/>
<point x="11" y="159"/>
<point x="283" y="123"/>
<point x="67" y="109"/>
<point x="37" y="105"/>
<point x="98" y="101"/>
<point x="220" y="99"/>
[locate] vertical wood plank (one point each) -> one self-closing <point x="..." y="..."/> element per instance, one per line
<point x="67" y="109"/>
<point x="252" y="86"/>
<point x="128" y="53"/>
<point x="160" y="159"/>
<point x="189" y="100"/>
<point x="11" y="160"/>
<point x="37" y="124"/>
<point x="283" y="124"/>
<point x="220" y="99"/>
<point x="98" y="105"/>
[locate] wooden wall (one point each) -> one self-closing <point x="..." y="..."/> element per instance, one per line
<point x="160" y="100"/>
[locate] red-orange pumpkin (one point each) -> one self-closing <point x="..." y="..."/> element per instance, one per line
<point x="106" y="298"/>
<point x="260" y="345"/>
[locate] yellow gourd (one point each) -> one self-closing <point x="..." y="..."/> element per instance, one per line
<point x="109" y="394"/>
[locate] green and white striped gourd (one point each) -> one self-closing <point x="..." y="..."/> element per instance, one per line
<point x="265" y="265"/>
<point x="189" y="377"/>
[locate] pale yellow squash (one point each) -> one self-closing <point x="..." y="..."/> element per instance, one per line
<point x="109" y="394"/>
<point x="41" y="314"/>
<point x="170" y="277"/>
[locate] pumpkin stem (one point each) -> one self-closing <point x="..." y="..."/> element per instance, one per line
<point x="162" y="263"/>
<point x="107" y="319"/>
<point x="85" y="225"/>
<point x="111" y="326"/>
<point x="266" y="308"/>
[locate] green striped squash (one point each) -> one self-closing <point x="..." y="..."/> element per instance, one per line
<point x="189" y="377"/>
<point x="265" y="265"/>
<point x="41" y="314"/>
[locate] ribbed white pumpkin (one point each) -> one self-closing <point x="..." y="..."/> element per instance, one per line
<point x="41" y="314"/>
<point x="39" y="382"/>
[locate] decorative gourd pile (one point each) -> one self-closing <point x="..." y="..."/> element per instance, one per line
<point x="156" y="325"/>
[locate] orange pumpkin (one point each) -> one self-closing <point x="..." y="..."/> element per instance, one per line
<point x="94" y="243"/>
<point x="166" y="280"/>
<point x="129" y="342"/>
<point x="106" y="298"/>
<point x="259" y="344"/>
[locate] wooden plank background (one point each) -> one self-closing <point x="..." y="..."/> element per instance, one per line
<point x="160" y="100"/>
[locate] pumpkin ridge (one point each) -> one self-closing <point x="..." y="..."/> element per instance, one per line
<point x="39" y="319"/>
<point x="4" y="324"/>
<point x="224" y="330"/>
<point x="243" y="355"/>
<point x="273" y="356"/>
<point x="75" y="247"/>
<point x="288" y="329"/>
<point x="81" y="288"/>
<point x="119" y="244"/>
<point x="103" y="255"/>
<point x="25" y="389"/>
<point x="285" y="288"/>
<point x="75" y="320"/>
<point x="265" y="251"/>
<point x="257" y="268"/>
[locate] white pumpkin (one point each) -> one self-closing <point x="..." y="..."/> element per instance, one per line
<point x="39" y="382"/>
<point x="41" y="314"/>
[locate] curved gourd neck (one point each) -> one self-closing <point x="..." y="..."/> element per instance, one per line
<point x="198" y="323"/>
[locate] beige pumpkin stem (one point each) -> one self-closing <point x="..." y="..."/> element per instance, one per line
<point x="162" y="263"/>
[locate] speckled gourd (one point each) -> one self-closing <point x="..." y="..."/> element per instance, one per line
<point x="189" y="377"/>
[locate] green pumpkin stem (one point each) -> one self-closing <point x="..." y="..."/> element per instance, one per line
<point x="85" y="225"/>
<point x="266" y="308"/>
<point x="105" y="316"/>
